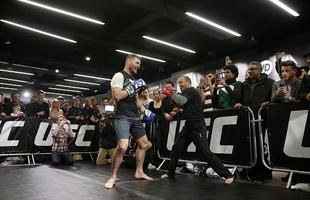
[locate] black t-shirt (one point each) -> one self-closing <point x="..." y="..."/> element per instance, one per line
<point x="8" y="108"/>
<point x="36" y="107"/>
<point x="156" y="111"/>
<point x="167" y="106"/>
<point x="193" y="108"/>
<point x="128" y="105"/>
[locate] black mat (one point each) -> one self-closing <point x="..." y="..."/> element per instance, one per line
<point x="86" y="181"/>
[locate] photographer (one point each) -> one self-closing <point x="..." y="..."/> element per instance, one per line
<point x="107" y="140"/>
<point x="61" y="137"/>
<point x="227" y="91"/>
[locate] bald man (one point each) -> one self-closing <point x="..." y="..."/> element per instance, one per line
<point x="195" y="130"/>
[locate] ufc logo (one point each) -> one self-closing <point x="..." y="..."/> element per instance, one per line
<point x="295" y="134"/>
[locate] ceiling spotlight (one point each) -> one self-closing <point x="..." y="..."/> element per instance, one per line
<point x="30" y="67"/>
<point x="10" y="84"/>
<point x="8" y="88"/>
<point x="142" y="56"/>
<point x="56" y="70"/>
<point x="14" y="80"/>
<point x="37" y="31"/>
<point x="16" y="72"/>
<point x="82" y="82"/>
<point x="7" y="42"/>
<point x="73" y="87"/>
<point x="26" y="94"/>
<point x="57" y="94"/>
<point x="87" y="58"/>
<point x="285" y="7"/>
<point x="168" y="44"/>
<point x="5" y="63"/>
<point x="93" y="77"/>
<point x="62" y="89"/>
<point x="64" y="12"/>
<point x="204" y="20"/>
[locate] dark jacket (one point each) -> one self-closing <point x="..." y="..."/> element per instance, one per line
<point x="35" y="107"/>
<point x="232" y="95"/>
<point x="8" y="108"/>
<point x="304" y="88"/>
<point x="256" y="91"/>
<point x="294" y="91"/>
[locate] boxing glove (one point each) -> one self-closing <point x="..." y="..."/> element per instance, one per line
<point x="167" y="91"/>
<point x="149" y="117"/>
<point x="135" y="86"/>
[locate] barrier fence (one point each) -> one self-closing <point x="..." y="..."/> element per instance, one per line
<point x="31" y="136"/>
<point x="231" y="136"/>
<point x="287" y="138"/>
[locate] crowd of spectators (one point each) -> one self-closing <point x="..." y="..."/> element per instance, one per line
<point x="218" y="91"/>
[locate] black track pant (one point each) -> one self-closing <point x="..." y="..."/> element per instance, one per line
<point x="196" y="133"/>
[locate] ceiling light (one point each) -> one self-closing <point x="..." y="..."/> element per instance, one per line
<point x="38" y="31"/>
<point x="285" y="7"/>
<point x="66" y="90"/>
<point x="73" y="87"/>
<point x="56" y="70"/>
<point x="94" y="77"/>
<point x="30" y="67"/>
<point x="14" y="80"/>
<point x="87" y="58"/>
<point x="26" y="94"/>
<point x="10" y="84"/>
<point x="5" y="63"/>
<point x="16" y="72"/>
<point x="168" y="44"/>
<point x="8" y="88"/>
<point x="58" y="94"/>
<point x="213" y="24"/>
<point x="142" y="56"/>
<point x="83" y="82"/>
<point x="62" y="11"/>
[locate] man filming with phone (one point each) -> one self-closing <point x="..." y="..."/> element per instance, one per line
<point x="227" y="90"/>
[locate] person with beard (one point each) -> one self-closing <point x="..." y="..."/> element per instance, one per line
<point x="286" y="89"/>
<point x="125" y="89"/>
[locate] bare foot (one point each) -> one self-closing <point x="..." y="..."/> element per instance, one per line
<point x="110" y="183"/>
<point x="164" y="176"/>
<point x="229" y="181"/>
<point x="142" y="176"/>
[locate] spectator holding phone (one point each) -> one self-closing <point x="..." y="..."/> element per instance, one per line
<point x="62" y="134"/>
<point x="227" y="91"/>
<point x="286" y="90"/>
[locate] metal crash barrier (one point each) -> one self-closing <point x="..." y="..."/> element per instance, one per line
<point x="287" y="138"/>
<point x="231" y="136"/>
<point x="30" y="136"/>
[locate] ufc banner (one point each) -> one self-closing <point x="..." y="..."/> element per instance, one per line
<point x="288" y="128"/>
<point x="32" y="135"/>
<point x="228" y="136"/>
